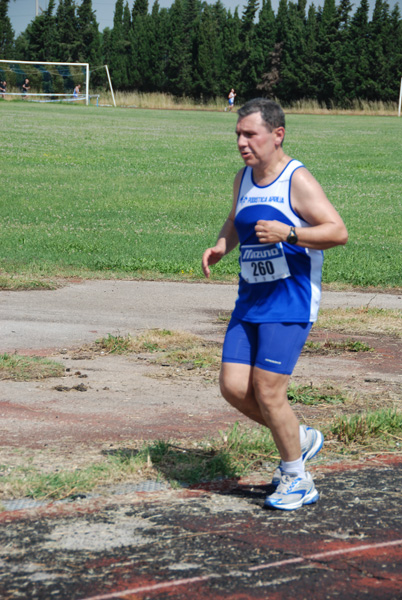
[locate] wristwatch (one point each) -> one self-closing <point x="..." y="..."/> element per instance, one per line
<point x="292" y="237"/>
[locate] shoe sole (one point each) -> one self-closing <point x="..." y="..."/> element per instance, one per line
<point x="309" y="498"/>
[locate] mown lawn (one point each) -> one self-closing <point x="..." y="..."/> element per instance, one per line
<point x="110" y="192"/>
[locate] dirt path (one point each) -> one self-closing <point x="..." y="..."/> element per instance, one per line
<point x="112" y="399"/>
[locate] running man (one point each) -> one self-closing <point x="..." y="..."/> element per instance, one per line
<point x="283" y="220"/>
<point x="231" y="99"/>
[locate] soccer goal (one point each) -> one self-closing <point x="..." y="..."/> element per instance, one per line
<point x="400" y="100"/>
<point x="46" y="81"/>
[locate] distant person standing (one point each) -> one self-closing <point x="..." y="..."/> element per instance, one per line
<point x="77" y="89"/>
<point x="231" y="99"/>
<point x="3" y="88"/>
<point x="25" y="86"/>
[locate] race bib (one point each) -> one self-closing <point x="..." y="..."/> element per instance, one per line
<point x="263" y="262"/>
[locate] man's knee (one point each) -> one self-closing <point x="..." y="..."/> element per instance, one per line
<point x="228" y="386"/>
<point x="270" y="388"/>
<point x="234" y="384"/>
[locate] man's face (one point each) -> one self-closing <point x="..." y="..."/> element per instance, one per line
<point x="255" y="143"/>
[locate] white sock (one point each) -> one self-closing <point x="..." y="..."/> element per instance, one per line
<point x="303" y="434"/>
<point x="294" y="467"/>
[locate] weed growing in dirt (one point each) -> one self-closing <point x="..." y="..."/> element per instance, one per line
<point x="337" y="346"/>
<point x="235" y="453"/>
<point x="181" y="465"/>
<point x="309" y="395"/>
<point x="29" y="482"/>
<point x="364" y="428"/>
<point x="26" y="368"/>
<point x="362" y="320"/>
<point x="114" y="344"/>
<point x="249" y="447"/>
<point x="169" y="347"/>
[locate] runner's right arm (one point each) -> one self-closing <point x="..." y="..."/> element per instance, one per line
<point x="227" y="238"/>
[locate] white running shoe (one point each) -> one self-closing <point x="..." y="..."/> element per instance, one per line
<point x="311" y="446"/>
<point x="292" y="492"/>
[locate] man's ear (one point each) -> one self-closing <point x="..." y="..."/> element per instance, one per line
<point x="279" y="135"/>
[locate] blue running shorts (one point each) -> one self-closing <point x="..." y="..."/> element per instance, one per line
<point x="270" y="346"/>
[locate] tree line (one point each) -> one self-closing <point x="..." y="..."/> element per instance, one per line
<point x="200" y="50"/>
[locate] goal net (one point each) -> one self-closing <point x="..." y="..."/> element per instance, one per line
<point x="47" y="81"/>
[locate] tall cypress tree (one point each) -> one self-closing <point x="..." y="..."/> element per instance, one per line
<point x="310" y="76"/>
<point x="394" y="52"/>
<point x="220" y="16"/>
<point x="328" y="83"/>
<point x="289" y="53"/>
<point x="178" y="68"/>
<point x="209" y="64"/>
<point x="6" y="31"/>
<point x="43" y="37"/>
<point x="360" y="83"/>
<point x="343" y="50"/>
<point x="106" y="36"/>
<point x="158" y="29"/>
<point x="294" y="64"/>
<point x="380" y="31"/>
<point x="118" y="59"/>
<point x="90" y="44"/>
<point x="266" y="31"/>
<point x="140" y="8"/>
<point x="231" y="48"/>
<point x="251" y="57"/>
<point x="140" y="66"/>
<point x="67" y="28"/>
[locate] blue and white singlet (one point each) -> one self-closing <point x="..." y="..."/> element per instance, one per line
<point x="279" y="283"/>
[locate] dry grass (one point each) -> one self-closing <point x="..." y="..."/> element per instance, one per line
<point x="178" y="352"/>
<point x="357" y="107"/>
<point x="163" y="101"/>
<point x="160" y="101"/>
<point x="361" y="321"/>
<point x="28" y="368"/>
<point x="16" y="282"/>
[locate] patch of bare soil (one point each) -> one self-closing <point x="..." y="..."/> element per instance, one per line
<point x="372" y="379"/>
<point x="106" y="401"/>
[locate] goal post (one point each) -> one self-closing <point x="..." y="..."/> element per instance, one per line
<point x="39" y="69"/>
<point x="400" y="100"/>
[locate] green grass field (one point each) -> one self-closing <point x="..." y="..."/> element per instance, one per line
<point x="104" y="192"/>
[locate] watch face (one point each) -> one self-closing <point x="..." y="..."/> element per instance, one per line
<point x="292" y="237"/>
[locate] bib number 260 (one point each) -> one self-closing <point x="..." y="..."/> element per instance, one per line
<point x="263" y="263"/>
<point x="262" y="268"/>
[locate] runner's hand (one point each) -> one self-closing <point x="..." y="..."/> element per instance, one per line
<point x="210" y="257"/>
<point x="271" y="232"/>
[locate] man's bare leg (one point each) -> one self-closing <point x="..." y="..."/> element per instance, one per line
<point x="236" y="382"/>
<point x="262" y="396"/>
<point x="270" y="391"/>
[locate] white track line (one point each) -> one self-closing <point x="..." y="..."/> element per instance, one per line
<point x="328" y="554"/>
<point x="178" y="582"/>
<point x="150" y="588"/>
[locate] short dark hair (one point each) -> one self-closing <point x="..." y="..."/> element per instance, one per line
<point x="271" y="113"/>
